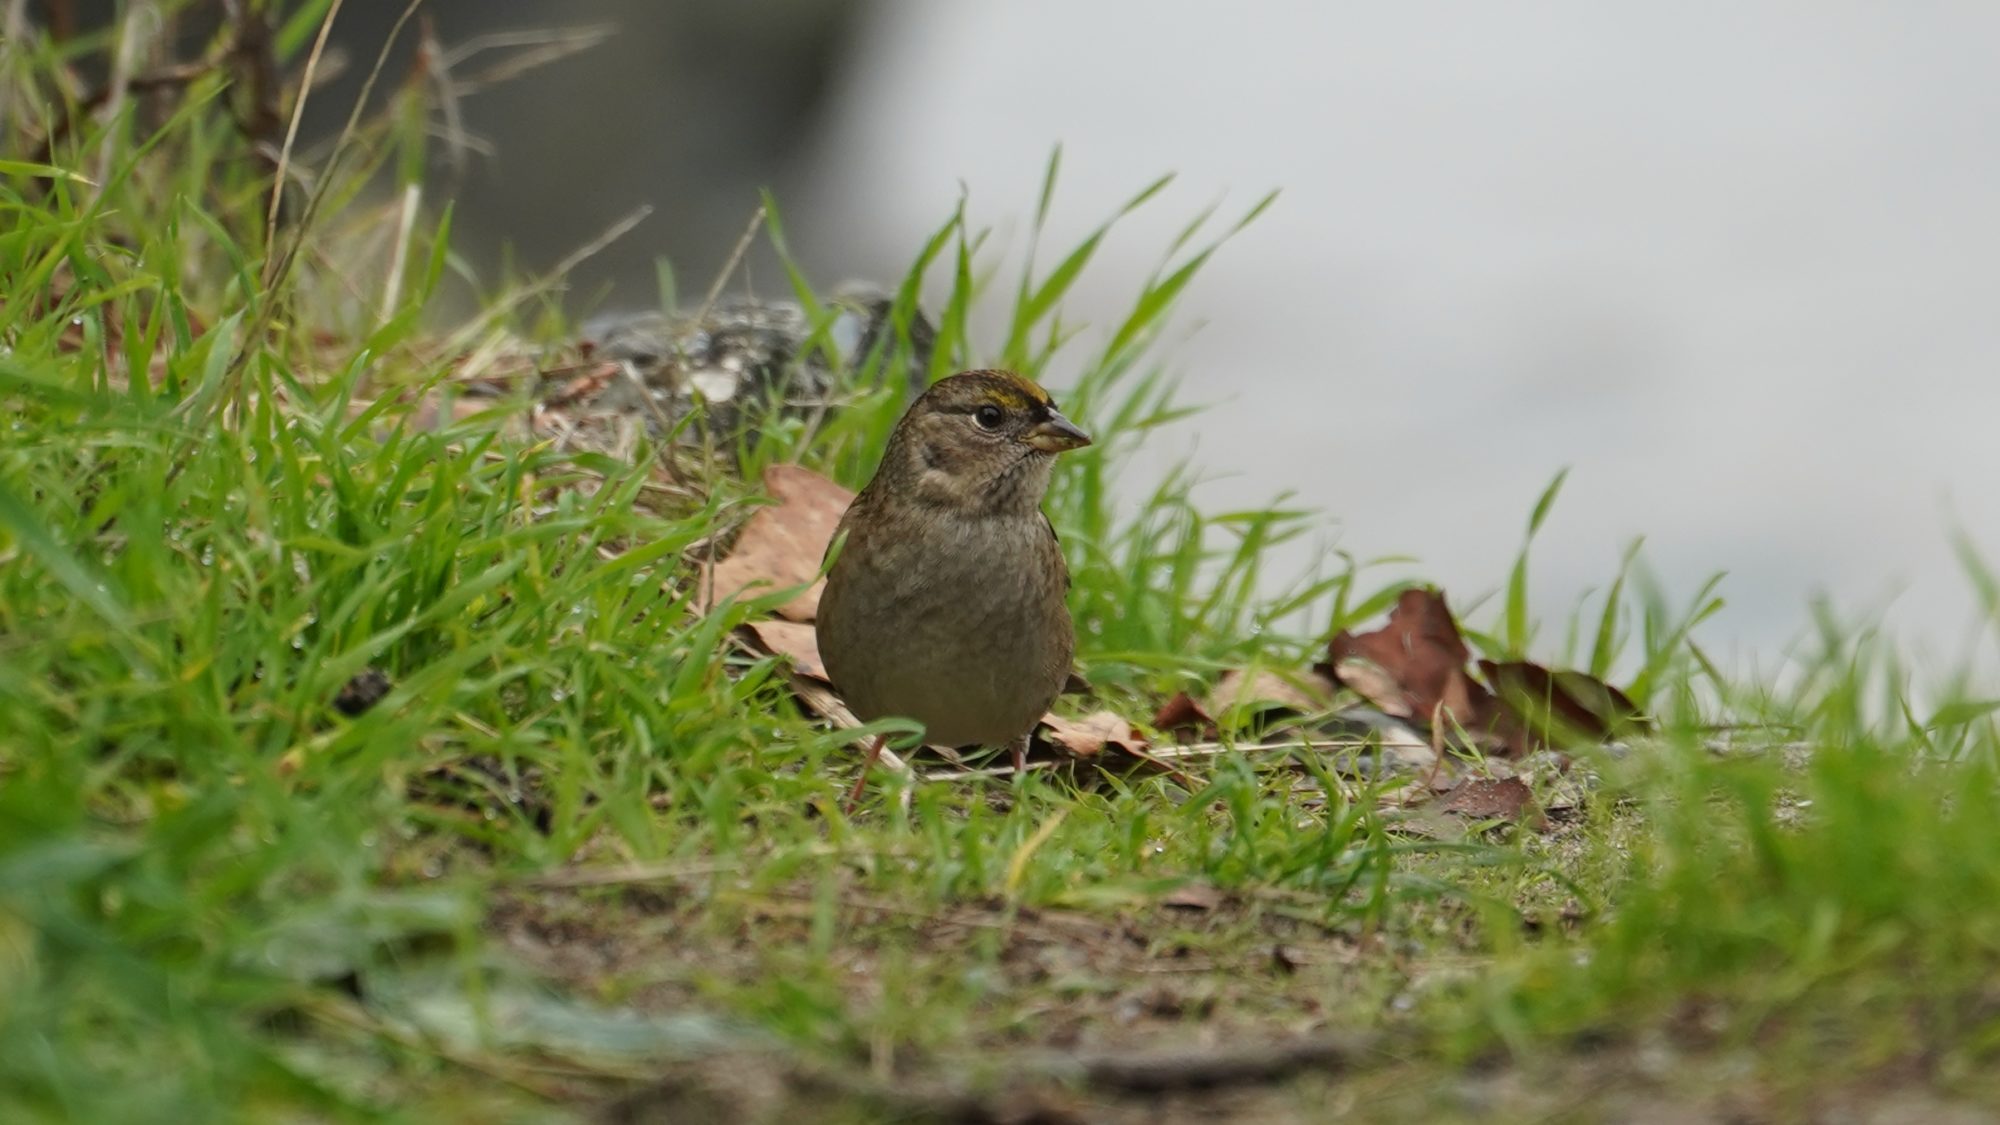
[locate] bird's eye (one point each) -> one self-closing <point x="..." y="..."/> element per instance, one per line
<point x="988" y="417"/>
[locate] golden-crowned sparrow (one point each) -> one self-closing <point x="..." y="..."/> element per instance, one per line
<point x="946" y="604"/>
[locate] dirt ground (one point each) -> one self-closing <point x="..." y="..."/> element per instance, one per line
<point x="1218" y="1008"/>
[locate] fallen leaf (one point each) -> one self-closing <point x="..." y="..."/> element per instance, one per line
<point x="1365" y="679"/>
<point x="1561" y="705"/>
<point x="1489" y="798"/>
<point x="1423" y="657"/>
<point x="792" y="640"/>
<point x="782" y="544"/>
<point x="1087" y="737"/>
<point x="1262" y="688"/>
<point x="1181" y="715"/>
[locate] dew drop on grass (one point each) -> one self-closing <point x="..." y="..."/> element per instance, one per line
<point x="557" y="695"/>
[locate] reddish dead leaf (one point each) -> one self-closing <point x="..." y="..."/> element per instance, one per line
<point x="1087" y="737"/>
<point x="783" y="544"/>
<point x="1489" y="798"/>
<point x="1561" y="705"/>
<point x="1181" y="715"/>
<point x="792" y="640"/>
<point x="1193" y="896"/>
<point x="1421" y="659"/>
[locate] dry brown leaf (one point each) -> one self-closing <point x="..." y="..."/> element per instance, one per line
<point x="792" y="640"/>
<point x="1181" y="715"/>
<point x="782" y="545"/>
<point x="1415" y="668"/>
<point x="1087" y="737"/>
<point x="1184" y="716"/>
<point x="1303" y="695"/>
<point x="1561" y="705"/>
<point x="1371" y="683"/>
<point x="1423" y="657"/>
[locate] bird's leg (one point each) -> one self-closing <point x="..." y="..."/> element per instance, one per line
<point x="1020" y="749"/>
<point x="861" y="783"/>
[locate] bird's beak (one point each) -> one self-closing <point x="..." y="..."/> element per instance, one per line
<point x="1055" y="434"/>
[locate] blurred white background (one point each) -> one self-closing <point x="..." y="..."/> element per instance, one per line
<point x="1738" y="266"/>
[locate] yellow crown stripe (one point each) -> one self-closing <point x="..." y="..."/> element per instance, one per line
<point x="1011" y="390"/>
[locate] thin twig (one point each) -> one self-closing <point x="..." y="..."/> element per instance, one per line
<point x="462" y="339"/>
<point x="1213" y="749"/>
<point x="274" y="276"/>
<point x="298" y="112"/>
<point x="729" y="266"/>
<point x="547" y="46"/>
<point x="430" y="63"/>
<point x="399" y="250"/>
<point x="707" y="307"/>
